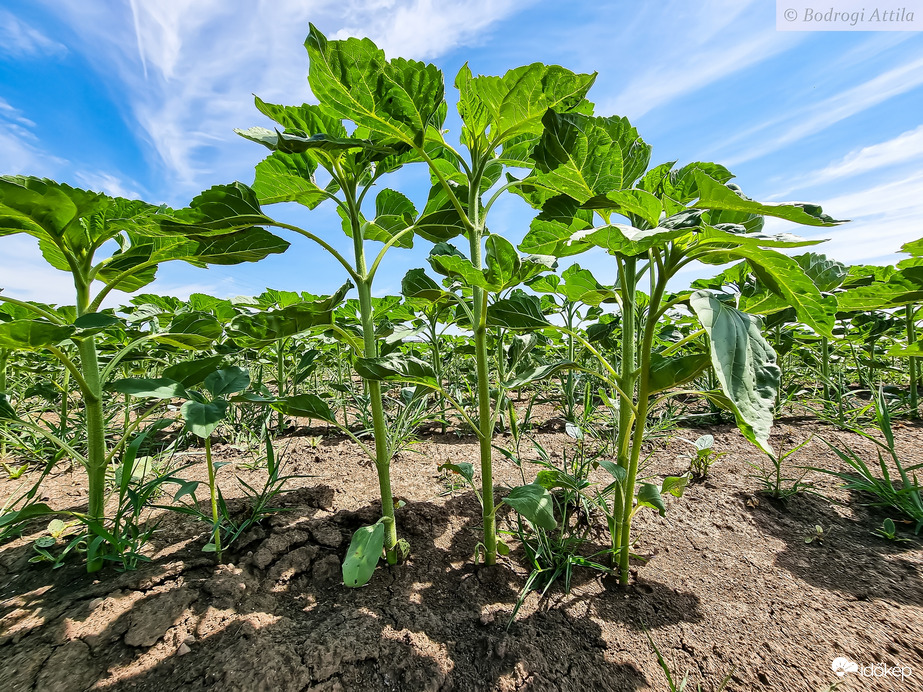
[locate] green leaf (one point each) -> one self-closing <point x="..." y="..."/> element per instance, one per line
<point x="585" y="157"/>
<point x="364" y="552"/>
<point x="541" y="372"/>
<point x="305" y="406"/>
<point x="744" y="363"/>
<point x="31" y="335"/>
<point x="465" y="470"/>
<point x="448" y="261"/>
<point x="535" y="504"/>
<point x="903" y="288"/>
<point x="784" y="276"/>
<point x="649" y="496"/>
<point x="6" y="409"/>
<point x="197" y="323"/>
<point x="393" y="213"/>
<point x="202" y="418"/>
<point x="227" y="381"/>
<point x="49" y="211"/>
<point x="632" y="204"/>
<point x="716" y="195"/>
<point x="220" y="209"/>
<point x="397" y="368"/>
<point x="416" y="284"/>
<point x="619" y="473"/>
<point x="675" y="485"/>
<point x="667" y="373"/>
<point x="618" y="239"/>
<point x="267" y="327"/>
<point x="148" y="388"/>
<point x="827" y="274"/>
<point x="38" y="509"/>
<point x="552" y="231"/>
<point x="193" y="372"/>
<point x="517" y="312"/>
<point x="398" y="99"/>
<point x="284" y="177"/>
<point x="513" y="105"/>
<point x="94" y="322"/>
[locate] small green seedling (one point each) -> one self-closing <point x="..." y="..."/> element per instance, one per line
<point x="705" y="456"/>
<point x="819" y="535"/>
<point x="889" y="530"/>
<point x="15" y="472"/>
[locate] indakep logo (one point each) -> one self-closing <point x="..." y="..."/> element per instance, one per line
<point x="842" y="665"/>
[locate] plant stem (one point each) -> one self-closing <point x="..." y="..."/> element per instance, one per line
<point x="825" y="367"/>
<point x="485" y="415"/>
<point x="216" y="529"/>
<point x="912" y="362"/>
<point x="622" y="501"/>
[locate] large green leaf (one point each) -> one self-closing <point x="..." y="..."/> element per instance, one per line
<point x="363" y="554"/>
<point x="305" y="406"/>
<point x="394" y="212"/>
<point x="397" y="368"/>
<point x="827" y="274"/>
<point x="540" y="372"/>
<point x="398" y="99"/>
<point x="667" y="373"/>
<point x="618" y="239"/>
<point x="227" y="381"/>
<point x="416" y="284"/>
<point x="284" y="177"/>
<point x="785" y="277"/>
<point x="193" y="372"/>
<point x="270" y="326"/>
<point x="199" y="323"/>
<point x="517" y="312"/>
<point x="220" y="209"/>
<point x="513" y="105"/>
<point x="744" y="363"/>
<point x="450" y="262"/>
<point x="534" y="503"/>
<point x="586" y="157"/>
<point x="202" y="418"/>
<point x="552" y="231"/>
<point x="716" y="195"/>
<point x="31" y="335"/>
<point x="148" y="388"/>
<point x="44" y="208"/>
<point x="903" y="288"/>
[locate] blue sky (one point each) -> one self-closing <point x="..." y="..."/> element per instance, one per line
<point x="140" y="99"/>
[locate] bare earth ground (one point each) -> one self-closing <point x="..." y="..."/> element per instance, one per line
<point x="730" y="585"/>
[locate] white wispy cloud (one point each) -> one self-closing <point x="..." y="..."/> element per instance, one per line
<point x="20" y="149"/>
<point x="99" y="181"/>
<point x="902" y="149"/>
<point x="20" y="40"/>
<point x="696" y="47"/>
<point x="423" y="29"/>
<point x="188" y="67"/>
<point x="794" y="126"/>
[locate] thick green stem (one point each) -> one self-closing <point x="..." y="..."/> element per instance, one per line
<point x="912" y="362"/>
<point x="485" y="414"/>
<point x="212" y="489"/>
<point x="96" y="430"/>
<point x="382" y="453"/>
<point x="825" y="367"/>
<point x="621" y="501"/>
<point x="640" y="421"/>
<point x="4" y="359"/>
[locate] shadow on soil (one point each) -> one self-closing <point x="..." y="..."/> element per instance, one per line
<point x="276" y="617"/>
<point x="850" y="559"/>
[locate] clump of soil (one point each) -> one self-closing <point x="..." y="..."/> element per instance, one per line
<point x="729" y="586"/>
